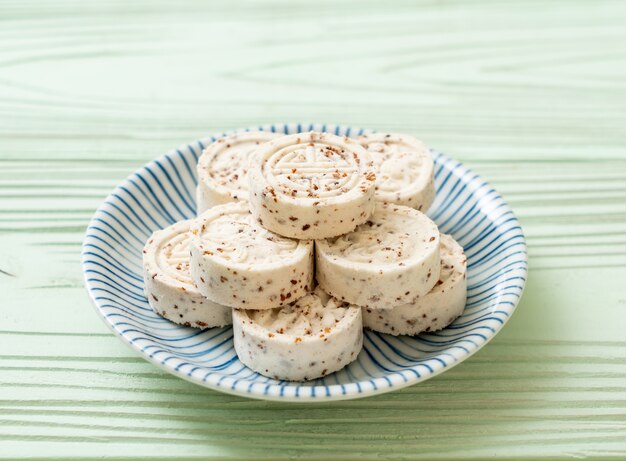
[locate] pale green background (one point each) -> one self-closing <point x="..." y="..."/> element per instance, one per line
<point x="529" y="94"/>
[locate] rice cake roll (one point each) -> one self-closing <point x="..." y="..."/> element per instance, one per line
<point x="436" y="309"/>
<point x="387" y="261"/>
<point x="223" y="168"/>
<point x="238" y="263"/>
<point x="404" y="169"/>
<point x="311" y="185"/>
<point x="310" y="338"/>
<point x="169" y="287"/>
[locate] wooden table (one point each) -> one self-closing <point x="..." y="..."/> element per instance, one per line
<point x="529" y="94"/>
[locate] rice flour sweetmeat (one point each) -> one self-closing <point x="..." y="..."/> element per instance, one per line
<point x="436" y="309"/>
<point x="311" y="185"/>
<point x="387" y="261"/>
<point x="238" y="263"/>
<point x="310" y="338"/>
<point x="404" y="169"/>
<point x="169" y="287"/>
<point x="223" y="168"/>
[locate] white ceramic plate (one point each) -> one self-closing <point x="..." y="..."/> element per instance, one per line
<point x="163" y="192"/>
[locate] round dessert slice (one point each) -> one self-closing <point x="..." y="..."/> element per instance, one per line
<point x="223" y="168"/>
<point x="311" y="185"/>
<point x="308" y="339"/>
<point x="168" y="284"/>
<point x="238" y="263"/>
<point x="388" y="261"/>
<point x="436" y="309"/>
<point x="404" y="169"/>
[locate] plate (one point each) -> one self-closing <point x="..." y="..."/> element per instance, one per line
<point x="163" y="191"/>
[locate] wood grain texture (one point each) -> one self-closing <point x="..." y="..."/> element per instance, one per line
<point x="529" y="94"/>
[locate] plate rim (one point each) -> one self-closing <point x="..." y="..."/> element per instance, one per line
<point x="393" y="378"/>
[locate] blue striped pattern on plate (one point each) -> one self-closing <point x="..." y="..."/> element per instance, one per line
<point x="162" y="192"/>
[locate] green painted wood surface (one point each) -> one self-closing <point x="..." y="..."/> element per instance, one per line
<point x="530" y="94"/>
